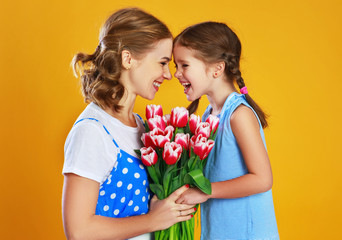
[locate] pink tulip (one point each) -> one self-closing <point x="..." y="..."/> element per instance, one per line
<point x="160" y="137"/>
<point x="147" y="140"/>
<point x="153" y="110"/>
<point x="148" y="156"/>
<point x="193" y="122"/>
<point x="202" y="147"/>
<point x="179" y="117"/>
<point x="167" y="119"/>
<point x="183" y="139"/>
<point x="156" y="122"/>
<point x="195" y="138"/>
<point x="213" y="122"/>
<point x="203" y="129"/>
<point x="172" y="152"/>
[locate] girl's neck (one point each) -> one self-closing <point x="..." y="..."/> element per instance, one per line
<point x="125" y="115"/>
<point x="218" y="96"/>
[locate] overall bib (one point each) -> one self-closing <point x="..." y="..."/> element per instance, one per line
<point x="126" y="190"/>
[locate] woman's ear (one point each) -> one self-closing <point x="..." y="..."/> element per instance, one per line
<point x="126" y="59"/>
<point x="218" y="69"/>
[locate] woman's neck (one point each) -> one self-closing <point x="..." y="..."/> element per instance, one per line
<point x="125" y="115"/>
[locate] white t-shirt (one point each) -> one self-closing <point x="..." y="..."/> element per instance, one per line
<point x="89" y="150"/>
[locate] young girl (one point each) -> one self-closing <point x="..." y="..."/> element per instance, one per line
<point x="106" y="190"/>
<point x="207" y="57"/>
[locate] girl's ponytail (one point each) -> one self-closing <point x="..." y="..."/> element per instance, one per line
<point x="233" y="70"/>
<point x="261" y="114"/>
<point x="192" y="108"/>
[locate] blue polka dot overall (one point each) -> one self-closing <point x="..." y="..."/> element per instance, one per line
<point x="126" y="190"/>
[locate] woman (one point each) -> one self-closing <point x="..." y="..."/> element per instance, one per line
<point x="106" y="192"/>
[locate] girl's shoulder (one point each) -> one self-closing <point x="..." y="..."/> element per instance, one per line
<point x="243" y="117"/>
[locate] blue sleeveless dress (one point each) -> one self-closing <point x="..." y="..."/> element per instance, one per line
<point x="250" y="217"/>
<point x="126" y="190"/>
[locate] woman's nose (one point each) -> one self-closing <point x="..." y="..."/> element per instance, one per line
<point x="167" y="75"/>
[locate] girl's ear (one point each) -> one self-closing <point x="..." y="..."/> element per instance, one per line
<point x="126" y="59"/>
<point x="218" y="69"/>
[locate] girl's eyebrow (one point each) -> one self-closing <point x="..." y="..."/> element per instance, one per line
<point x="180" y="61"/>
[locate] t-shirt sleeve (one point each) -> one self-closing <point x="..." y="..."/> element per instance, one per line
<point x="89" y="151"/>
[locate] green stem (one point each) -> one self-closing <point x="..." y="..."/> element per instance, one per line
<point x="194" y="163"/>
<point x="161" y="236"/>
<point x="172" y="232"/>
<point x="156" y="235"/>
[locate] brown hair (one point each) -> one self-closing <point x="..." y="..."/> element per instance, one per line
<point x="127" y="29"/>
<point x="215" y="42"/>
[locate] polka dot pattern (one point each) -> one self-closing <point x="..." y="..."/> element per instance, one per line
<point x="126" y="191"/>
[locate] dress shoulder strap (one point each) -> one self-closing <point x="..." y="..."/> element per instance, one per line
<point x="94" y="119"/>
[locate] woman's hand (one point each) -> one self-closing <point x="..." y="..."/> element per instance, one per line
<point x="192" y="196"/>
<point x="167" y="212"/>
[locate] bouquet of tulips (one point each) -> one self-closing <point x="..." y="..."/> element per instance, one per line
<point x="175" y="151"/>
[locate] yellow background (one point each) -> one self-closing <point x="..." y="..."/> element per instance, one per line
<point x="291" y="64"/>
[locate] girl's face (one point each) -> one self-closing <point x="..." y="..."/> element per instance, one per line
<point x="149" y="72"/>
<point x="192" y="73"/>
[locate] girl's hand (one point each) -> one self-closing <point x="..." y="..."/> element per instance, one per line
<point x="193" y="196"/>
<point x="167" y="212"/>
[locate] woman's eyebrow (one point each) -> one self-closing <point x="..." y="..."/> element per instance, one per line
<point x="167" y="59"/>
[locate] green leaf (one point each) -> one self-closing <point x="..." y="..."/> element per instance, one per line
<point x="180" y="130"/>
<point x="175" y="184"/>
<point x="191" y="161"/>
<point x="147" y="129"/>
<point x="138" y="152"/>
<point x="187" y="128"/>
<point x="167" y="177"/>
<point x="196" y="177"/>
<point x="153" y="174"/>
<point x="158" y="190"/>
<point x="183" y="159"/>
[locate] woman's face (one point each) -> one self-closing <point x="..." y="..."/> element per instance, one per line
<point x="192" y="73"/>
<point x="148" y="73"/>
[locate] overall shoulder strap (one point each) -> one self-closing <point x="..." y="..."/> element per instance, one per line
<point x="141" y="119"/>
<point x="94" y="119"/>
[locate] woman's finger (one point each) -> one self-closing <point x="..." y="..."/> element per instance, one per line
<point x="176" y="194"/>
<point x="186" y="212"/>
<point x="182" y="207"/>
<point x="180" y="200"/>
<point x="184" y="218"/>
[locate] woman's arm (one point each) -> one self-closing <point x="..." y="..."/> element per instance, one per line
<point x="259" y="179"/>
<point x="80" y="222"/>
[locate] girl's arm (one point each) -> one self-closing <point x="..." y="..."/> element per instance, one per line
<point x="259" y="178"/>
<point x="80" y="222"/>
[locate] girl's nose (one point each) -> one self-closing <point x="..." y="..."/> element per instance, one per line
<point x="178" y="74"/>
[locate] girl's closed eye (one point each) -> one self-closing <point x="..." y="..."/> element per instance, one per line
<point x="183" y="66"/>
<point x="164" y="63"/>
